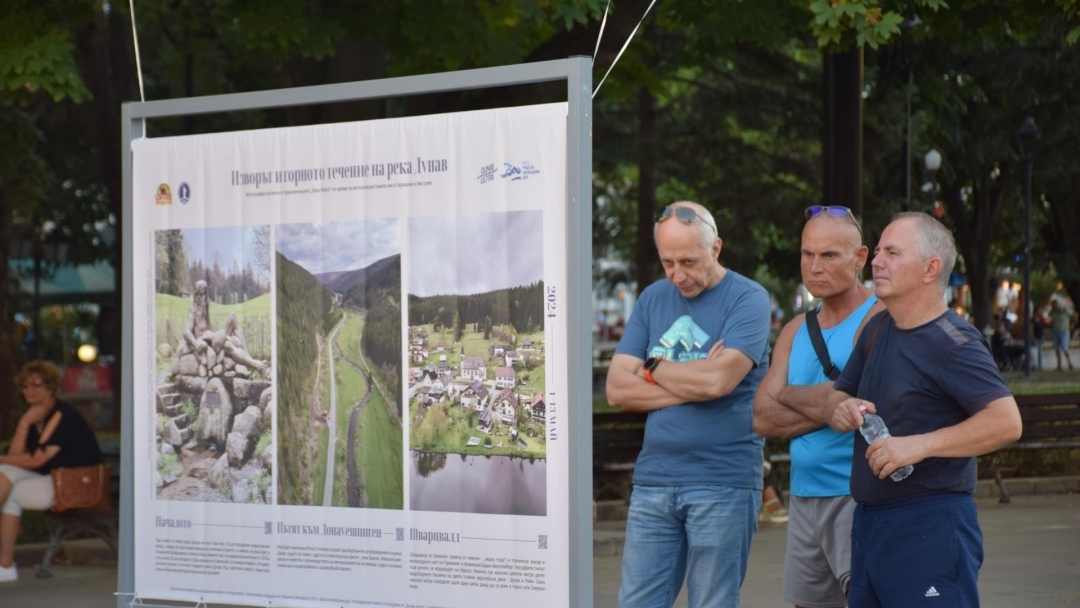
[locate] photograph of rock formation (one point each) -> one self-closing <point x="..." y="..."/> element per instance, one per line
<point x="338" y="290"/>
<point x="477" y="381"/>
<point x="214" y="398"/>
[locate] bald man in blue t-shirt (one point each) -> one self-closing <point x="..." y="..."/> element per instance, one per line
<point x="693" y="353"/>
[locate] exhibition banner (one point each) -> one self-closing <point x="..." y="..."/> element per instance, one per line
<point x="350" y="354"/>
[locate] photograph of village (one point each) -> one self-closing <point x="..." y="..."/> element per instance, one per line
<point x="339" y="377"/>
<point x="213" y="395"/>
<point x="476" y="390"/>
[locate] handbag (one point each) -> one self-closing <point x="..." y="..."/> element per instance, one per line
<point x="81" y="487"/>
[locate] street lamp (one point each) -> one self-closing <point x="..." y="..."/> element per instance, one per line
<point x="907" y="25"/>
<point x="1027" y="142"/>
<point x="933" y="163"/>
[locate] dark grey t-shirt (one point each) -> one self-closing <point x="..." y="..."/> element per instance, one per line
<point x="922" y="379"/>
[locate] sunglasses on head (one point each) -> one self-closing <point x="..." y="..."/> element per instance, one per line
<point x="685" y="215"/>
<point x="832" y="211"/>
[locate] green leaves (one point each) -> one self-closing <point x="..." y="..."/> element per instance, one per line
<point x="836" y="24"/>
<point x="42" y="62"/>
<point x="1071" y="11"/>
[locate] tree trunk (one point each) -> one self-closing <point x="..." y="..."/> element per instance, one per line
<point x="9" y="346"/>
<point x="974" y="230"/>
<point x="110" y="74"/>
<point x="645" y="258"/>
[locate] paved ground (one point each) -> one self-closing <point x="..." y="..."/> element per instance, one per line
<point x="1032" y="548"/>
<point x="1032" y="558"/>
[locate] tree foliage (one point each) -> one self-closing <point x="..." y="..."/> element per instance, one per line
<point x="303" y="304"/>
<point x="520" y="307"/>
<point x="717" y="100"/>
<point x="976" y="75"/>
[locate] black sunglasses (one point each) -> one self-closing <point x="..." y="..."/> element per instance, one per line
<point x="832" y="211"/>
<point x="684" y="214"/>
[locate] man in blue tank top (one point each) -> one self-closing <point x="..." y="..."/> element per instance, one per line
<point x="693" y="353"/>
<point x="930" y="376"/>
<point x="817" y="563"/>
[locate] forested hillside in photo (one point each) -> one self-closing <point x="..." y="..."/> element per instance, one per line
<point x="302" y="304"/>
<point x="377" y="288"/>
<point x="521" y="307"/>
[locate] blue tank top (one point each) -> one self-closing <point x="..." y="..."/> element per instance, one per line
<point x="821" y="460"/>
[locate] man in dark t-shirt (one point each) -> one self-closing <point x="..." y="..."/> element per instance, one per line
<point x="932" y="379"/>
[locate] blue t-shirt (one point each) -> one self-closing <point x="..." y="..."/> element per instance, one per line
<point x="821" y="460"/>
<point x="922" y="379"/>
<point x="708" y="442"/>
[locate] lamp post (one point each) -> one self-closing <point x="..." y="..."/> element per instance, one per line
<point x="933" y="163"/>
<point x="907" y="25"/>
<point x="1027" y="142"/>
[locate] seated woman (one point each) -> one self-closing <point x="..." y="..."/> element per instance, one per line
<point x="49" y="435"/>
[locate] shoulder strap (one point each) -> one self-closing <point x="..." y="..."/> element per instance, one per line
<point x="820" y="349"/>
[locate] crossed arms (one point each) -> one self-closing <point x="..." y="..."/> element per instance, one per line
<point x="782" y="410"/>
<point x="677" y="382"/>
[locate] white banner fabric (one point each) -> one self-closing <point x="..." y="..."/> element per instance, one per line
<point x="350" y="355"/>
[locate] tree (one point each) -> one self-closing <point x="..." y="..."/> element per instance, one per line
<point x="975" y="81"/>
<point x="37" y="72"/>
<point x="262" y="253"/>
<point x="171" y="271"/>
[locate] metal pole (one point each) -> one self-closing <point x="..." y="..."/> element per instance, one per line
<point x="130" y="130"/>
<point x="579" y="324"/>
<point x="1028" y="160"/>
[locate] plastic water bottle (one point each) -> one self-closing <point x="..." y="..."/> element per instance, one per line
<point x="872" y="429"/>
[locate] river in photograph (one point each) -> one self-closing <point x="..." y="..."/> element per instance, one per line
<point x="477" y="484"/>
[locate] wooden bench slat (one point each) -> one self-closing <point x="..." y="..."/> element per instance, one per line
<point x="1056" y="430"/>
<point x="618" y="418"/>
<point x="1050" y="399"/>
<point x="1049" y="414"/>
<point x="1051" y="421"/>
<point x="617" y="440"/>
<point x="618" y="436"/>
<point x="1042" y="445"/>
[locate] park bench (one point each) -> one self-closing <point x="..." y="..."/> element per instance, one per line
<point x="81" y="523"/>
<point x="617" y="440"/>
<point x="1050" y="422"/>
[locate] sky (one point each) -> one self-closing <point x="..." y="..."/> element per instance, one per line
<point x="233" y="243"/>
<point x="339" y="246"/>
<point x="469" y="254"/>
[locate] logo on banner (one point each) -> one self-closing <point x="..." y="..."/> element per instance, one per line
<point x="513" y="172"/>
<point x="184" y="192"/>
<point x="487" y="174"/>
<point x="164" y="195"/>
<point x="519" y="172"/>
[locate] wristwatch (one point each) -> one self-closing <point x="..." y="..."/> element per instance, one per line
<point x="650" y="366"/>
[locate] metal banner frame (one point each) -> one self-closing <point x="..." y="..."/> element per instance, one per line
<point x="577" y="72"/>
